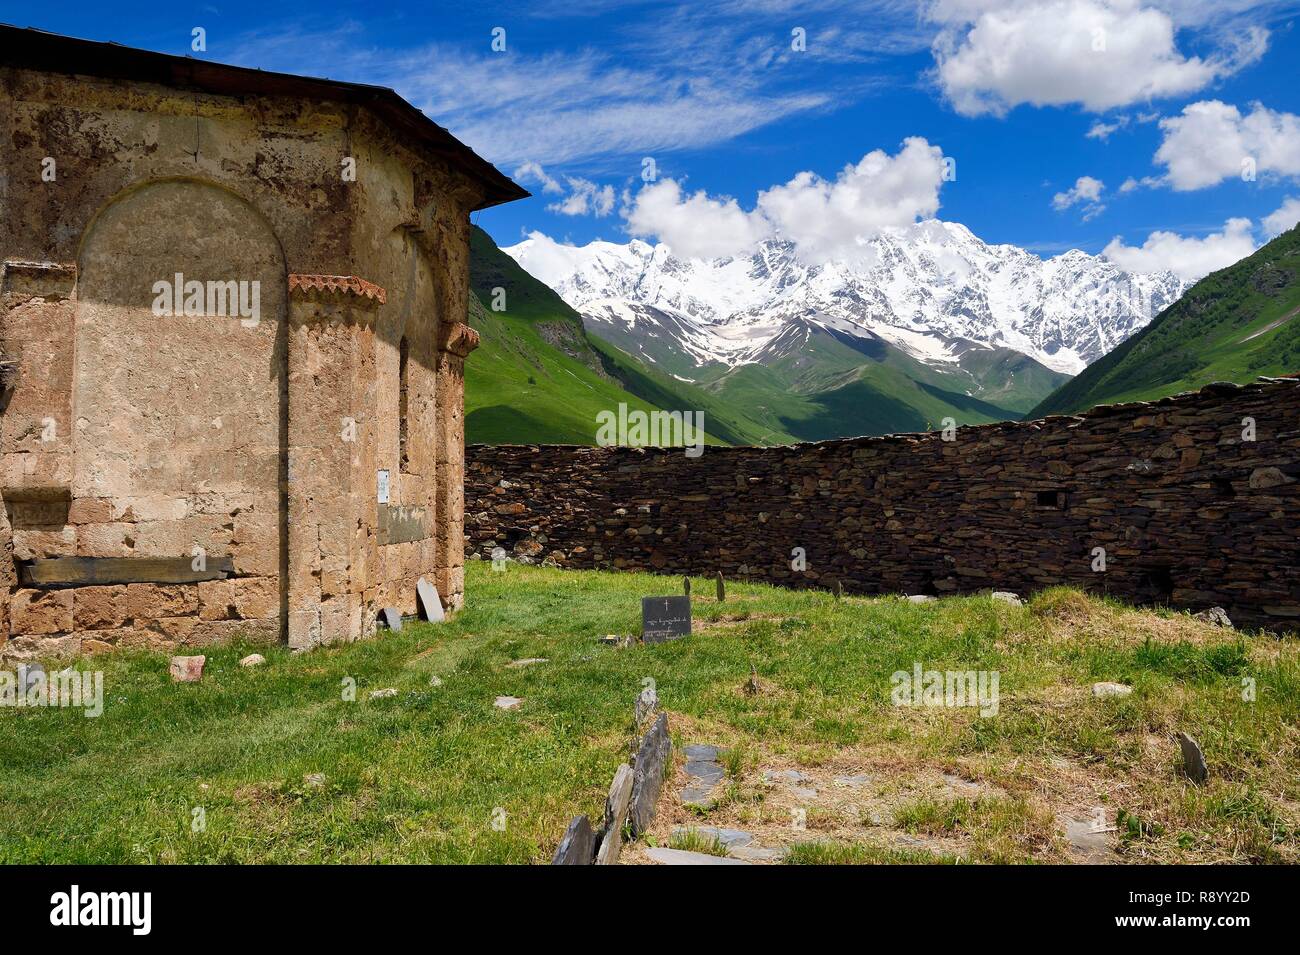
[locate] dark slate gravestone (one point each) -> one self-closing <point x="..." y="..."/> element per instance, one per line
<point x="665" y="618"/>
<point x="392" y="618"/>
<point x="648" y="770"/>
<point x="429" y="602"/>
<point x="578" y="847"/>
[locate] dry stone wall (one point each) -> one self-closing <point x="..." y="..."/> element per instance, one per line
<point x="1190" y="501"/>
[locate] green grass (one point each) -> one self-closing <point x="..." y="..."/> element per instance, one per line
<point x="417" y="777"/>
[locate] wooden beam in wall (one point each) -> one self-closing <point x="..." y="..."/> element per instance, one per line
<point x="86" y="571"/>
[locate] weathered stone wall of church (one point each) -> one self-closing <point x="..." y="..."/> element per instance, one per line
<point x="1188" y="510"/>
<point x="133" y="435"/>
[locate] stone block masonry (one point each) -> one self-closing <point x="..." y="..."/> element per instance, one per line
<point x="1190" y="501"/>
<point x="174" y="473"/>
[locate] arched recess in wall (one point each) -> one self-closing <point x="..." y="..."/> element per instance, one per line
<point x="407" y="369"/>
<point x="179" y="389"/>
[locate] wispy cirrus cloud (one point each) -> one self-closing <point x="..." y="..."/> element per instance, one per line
<point x="690" y="77"/>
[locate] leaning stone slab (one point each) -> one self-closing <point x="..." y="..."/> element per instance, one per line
<point x="648" y="774"/>
<point x="578" y="847"/>
<point x="1193" y="759"/>
<point x="187" y="669"/>
<point x="430" y="603"/>
<point x="392" y="618"/>
<point x="616" y="805"/>
<point x="682" y="857"/>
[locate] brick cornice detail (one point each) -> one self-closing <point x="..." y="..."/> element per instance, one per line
<point x="457" y="338"/>
<point x="349" y="285"/>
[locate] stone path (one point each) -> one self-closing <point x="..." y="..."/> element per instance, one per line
<point x="682" y="857"/>
<point x="703" y="776"/>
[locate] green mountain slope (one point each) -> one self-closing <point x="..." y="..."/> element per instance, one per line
<point x="817" y="384"/>
<point x="1233" y="325"/>
<point x="537" y="376"/>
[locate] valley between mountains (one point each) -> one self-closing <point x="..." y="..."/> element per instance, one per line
<point x="929" y="323"/>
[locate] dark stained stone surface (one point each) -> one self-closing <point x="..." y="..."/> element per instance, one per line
<point x="648" y="774"/>
<point x="578" y="847"/>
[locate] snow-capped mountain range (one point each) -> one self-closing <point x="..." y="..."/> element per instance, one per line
<point x="933" y="290"/>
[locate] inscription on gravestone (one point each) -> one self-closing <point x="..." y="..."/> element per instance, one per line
<point x="665" y="618"/>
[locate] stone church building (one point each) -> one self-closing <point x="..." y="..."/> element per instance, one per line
<point x="232" y="338"/>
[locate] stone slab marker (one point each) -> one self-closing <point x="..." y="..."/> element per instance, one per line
<point x="1193" y="759"/>
<point x="648" y="774"/>
<point x="578" y="846"/>
<point x="430" y="603"/>
<point x="616" y="806"/>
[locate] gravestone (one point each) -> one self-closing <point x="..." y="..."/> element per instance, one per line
<point x="392" y="618"/>
<point x="648" y="770"/>
<point x="578" y="847"/>
<point x="1193" y="759"/>
<point x="30" y="674"/>
<point x="665" y="618"/>
<point x="430" y="604"/>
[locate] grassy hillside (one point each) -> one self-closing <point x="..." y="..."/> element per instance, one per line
<point x="538" y="378"/>
<point x="834" y="386"/>
<point x="288" y="770"/>
<point x="1233" y="325"/>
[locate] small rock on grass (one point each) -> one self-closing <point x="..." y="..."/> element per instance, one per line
<point x="1215" y="615"/>
<point x="187" y="669"/>
<point x="383" y="694"/>
<point x="252" y="660"/>
<point x="1103" y="690"/>
<point x="313" y="780"/>
<point x="1007" y="597"/>
<point x="435" y="680"/>
<point x="529" y="661"/>
<point x="920" y="599"/>
<point x="507" y="702"/>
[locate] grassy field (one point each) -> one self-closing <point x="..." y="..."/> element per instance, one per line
<point x="281" y="768"/>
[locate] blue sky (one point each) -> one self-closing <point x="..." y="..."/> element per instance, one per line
<point x="1044" y="109"/>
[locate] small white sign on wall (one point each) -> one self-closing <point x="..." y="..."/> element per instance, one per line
<point x="382" y="482"/>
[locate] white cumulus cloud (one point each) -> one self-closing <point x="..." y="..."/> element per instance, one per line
<point x="1187" y="257"/>
<point x="824" y="218"/>
<point x="1100" y="54"/>
<point x="1212" y="141"/>
<point x="1283" y="218"/>
<point x="1085" y="192"/>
